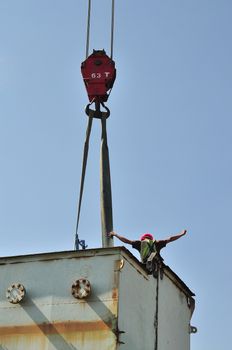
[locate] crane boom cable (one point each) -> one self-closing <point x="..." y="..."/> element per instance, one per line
<point x="88" y="29"/>
<point x="112" y="30"/>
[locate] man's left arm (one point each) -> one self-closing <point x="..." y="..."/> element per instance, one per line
<point x="174" y="238"/>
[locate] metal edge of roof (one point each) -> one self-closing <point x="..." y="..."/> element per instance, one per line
<point x="182" y="286"/>
<point x="177" y="280"/>
<point x="66" y="254"/>
<point x="167" y="270"/>
<point x="70" y="254"/>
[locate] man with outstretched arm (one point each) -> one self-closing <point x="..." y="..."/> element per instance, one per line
<point x="148" y="247"/>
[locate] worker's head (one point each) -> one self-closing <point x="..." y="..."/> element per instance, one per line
<point x="146" y="236"/>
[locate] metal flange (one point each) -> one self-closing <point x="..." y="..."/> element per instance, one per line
<point x="15" y="293"/>
<point x="81" y="288"/>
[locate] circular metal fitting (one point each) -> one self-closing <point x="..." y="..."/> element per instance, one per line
<point x="121" y="264"/>
<point x="15" y="293"/>
<point x="81" y="288"/>
<point x="192" y="329"/>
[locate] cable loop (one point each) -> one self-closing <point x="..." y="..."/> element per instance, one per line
<point x="97" y="113"/>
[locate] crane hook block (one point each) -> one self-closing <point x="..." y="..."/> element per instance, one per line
<point x="99" y="74"/>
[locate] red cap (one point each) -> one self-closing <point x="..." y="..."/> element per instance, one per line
<point x="146" y="235"/>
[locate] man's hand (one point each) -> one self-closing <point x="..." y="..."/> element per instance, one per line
<point x="121" y="238"/>
<point x="111" y="234"/>
<point x="183" y="232"/>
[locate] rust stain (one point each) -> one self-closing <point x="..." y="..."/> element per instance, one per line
<point x="56" y="327"/>
<point x="116" y="279"/>
<point x="115" y="294"/>
<point x="76" y="340"/>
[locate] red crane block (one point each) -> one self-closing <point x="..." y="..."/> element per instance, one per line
<point x="99" y="74"/>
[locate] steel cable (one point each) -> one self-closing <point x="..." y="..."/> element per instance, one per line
<point x="112" y="30"/>
<point x="88" y="29"/>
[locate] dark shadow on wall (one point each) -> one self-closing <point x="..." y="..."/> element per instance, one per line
<point x="103" y="312"/>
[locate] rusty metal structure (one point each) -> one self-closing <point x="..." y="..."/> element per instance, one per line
<point x="101" y="299"/>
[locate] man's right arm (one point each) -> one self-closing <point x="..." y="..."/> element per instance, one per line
<point x="121" y="238"/>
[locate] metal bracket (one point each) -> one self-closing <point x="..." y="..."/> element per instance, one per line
<point x="192" y="329"/>
<point x="82" y="243"/>
<point x="117" y="332"/>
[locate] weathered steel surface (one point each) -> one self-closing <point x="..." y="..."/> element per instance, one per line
<point x="157" y="311"/>
<point x="175" y="310"/>
<point x="137" y="309"/>
<point x="50" y="317"/>
<point x="118" y="314"/>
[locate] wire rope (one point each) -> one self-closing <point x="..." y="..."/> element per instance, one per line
<point x="88" y="29"/>
<point x="112" y="29"/>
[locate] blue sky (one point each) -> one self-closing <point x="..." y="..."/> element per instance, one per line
<point x="169" y="136"/>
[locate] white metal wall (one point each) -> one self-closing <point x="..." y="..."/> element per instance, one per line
<point x="50" y="318"/>
<point x="137" y="306"/>
<point x="123" y="299"/>
<point x="174" y="316"/>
